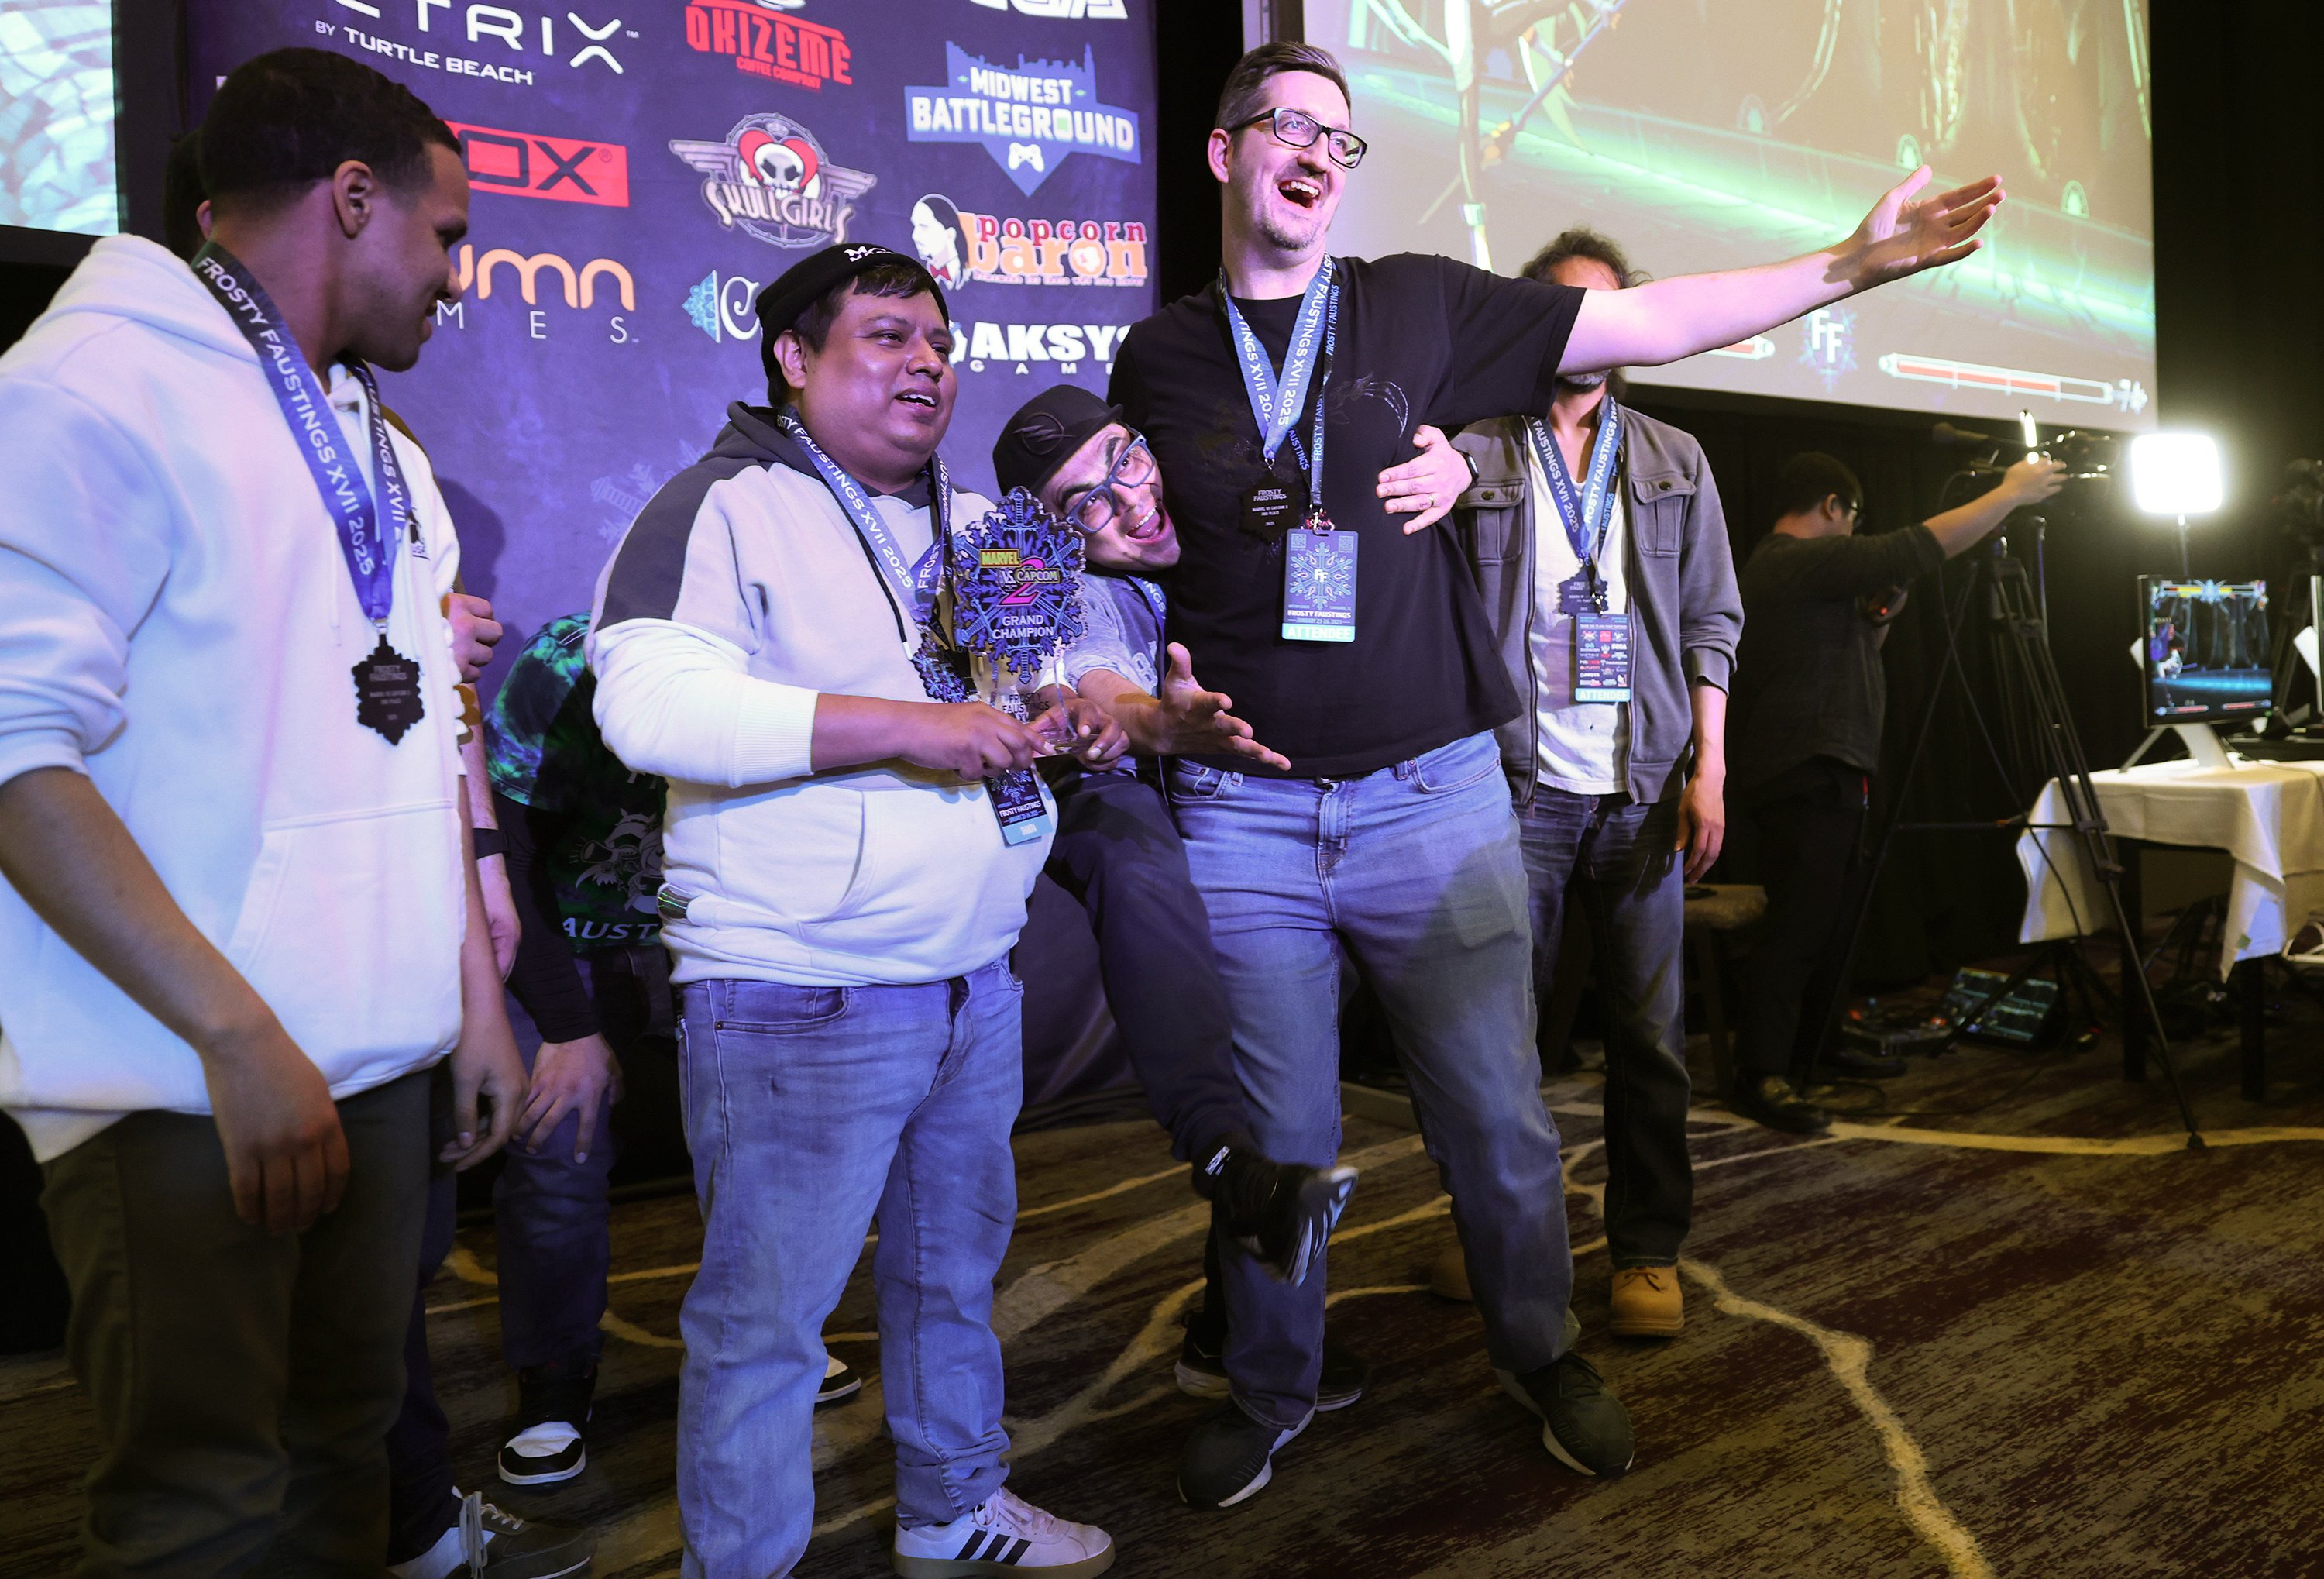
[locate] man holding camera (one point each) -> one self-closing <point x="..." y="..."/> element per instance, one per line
<point x="1810" y="695"/>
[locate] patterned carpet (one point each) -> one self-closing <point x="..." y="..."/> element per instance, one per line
<point x="2040" y="1338"/>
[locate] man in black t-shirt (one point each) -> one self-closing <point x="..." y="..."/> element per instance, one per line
<point x="1390" y="836"/>
<point x="1804" y="741"/>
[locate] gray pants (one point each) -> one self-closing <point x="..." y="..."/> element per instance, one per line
<point x="244" y="1383"/>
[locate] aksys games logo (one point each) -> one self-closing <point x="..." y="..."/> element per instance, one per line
<point x="772" y="178"/>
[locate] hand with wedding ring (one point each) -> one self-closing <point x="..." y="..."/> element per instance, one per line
<point x="1425" y="488"/>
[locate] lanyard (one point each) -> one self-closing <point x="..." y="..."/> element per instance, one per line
<point x="367" y="534"/>
<point x="1276" y="403"/>
<point x="915" y="583"/>
<point x="1585" y="518"/>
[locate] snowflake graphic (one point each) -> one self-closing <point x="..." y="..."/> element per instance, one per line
<point x="1323" y="579"/>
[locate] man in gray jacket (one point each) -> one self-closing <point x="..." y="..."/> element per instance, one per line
<point x="1602" y="552"/>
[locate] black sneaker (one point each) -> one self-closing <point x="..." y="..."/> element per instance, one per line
<point x="1584" y="1427"/>
<point x="484" y="1540"/>
<point x="547" y="1445"/>
<point x="839" y="1381"/>
<point x="1202" y="1372"/>
<point x="1229" y="1458"/>
<point x="1771" y="1101"/>
<point x="1282" y="1213"/>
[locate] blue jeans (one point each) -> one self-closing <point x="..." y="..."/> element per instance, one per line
<point x="1616" y="861"/>
<point x="1415" y="872"/>
<point x="810" y="1110"/>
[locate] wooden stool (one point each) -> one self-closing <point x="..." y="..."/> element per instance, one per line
<point x="1721" y="909"/>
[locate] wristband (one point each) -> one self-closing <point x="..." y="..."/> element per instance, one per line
<point x="488" y="842"/>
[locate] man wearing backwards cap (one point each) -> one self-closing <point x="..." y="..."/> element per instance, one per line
<point x="1118" y="854"/>
<point x="840" y="902"/>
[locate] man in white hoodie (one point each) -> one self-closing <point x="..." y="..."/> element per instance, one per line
<point x="240" y="921"/>
<point x="840" y="890"/>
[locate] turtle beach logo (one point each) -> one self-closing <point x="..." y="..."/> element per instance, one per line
<point x="958" y="246"/>
<point x="771" y="179"/>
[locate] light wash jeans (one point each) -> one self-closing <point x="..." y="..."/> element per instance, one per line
<point x="1414" y="872"/>
<point x="810" y="1110"/>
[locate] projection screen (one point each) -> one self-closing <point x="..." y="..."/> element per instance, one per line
<point x="1716" y="134"/>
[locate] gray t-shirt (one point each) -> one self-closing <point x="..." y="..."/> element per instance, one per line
<point x="1808" y="680"/>
<point x="1123" y="615"/>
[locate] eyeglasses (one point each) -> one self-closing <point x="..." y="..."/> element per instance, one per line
<point x="1094" y="511"/>
<point x="1297" y="129"/>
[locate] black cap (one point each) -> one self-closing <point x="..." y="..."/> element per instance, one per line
<point x="1045" y="433"/>
<point x="815" y="276"/>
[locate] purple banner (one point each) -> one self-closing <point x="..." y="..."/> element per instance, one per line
<point x="643" y="167"/>
<point x="640" y="168"/>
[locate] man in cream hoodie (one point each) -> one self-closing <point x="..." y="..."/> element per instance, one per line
<point x="841" y="895"/>
<point x="239" y="920"/>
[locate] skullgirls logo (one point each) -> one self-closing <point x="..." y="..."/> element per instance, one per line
<point x="959" y="247"/>
<point x="771" y="179"/>
<point x="763" y="43"/>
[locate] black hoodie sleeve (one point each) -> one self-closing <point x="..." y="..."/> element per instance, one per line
<point x="545" y="977"/>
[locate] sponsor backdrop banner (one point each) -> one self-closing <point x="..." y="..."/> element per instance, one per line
<point x="640" y="168"/>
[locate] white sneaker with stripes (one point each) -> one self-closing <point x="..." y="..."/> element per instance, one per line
<point x="1005" y="1535"/>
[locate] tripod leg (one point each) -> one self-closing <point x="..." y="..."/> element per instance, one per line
<point x="2134" y="963"/>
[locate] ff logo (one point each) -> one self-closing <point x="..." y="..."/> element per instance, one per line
<point x="770" y="177"/>
<point x="804" y="55"/>
<point x="565" y="170"/>
<point x="959" y="247"/>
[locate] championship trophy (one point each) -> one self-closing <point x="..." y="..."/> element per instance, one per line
<point x="1016" y="586"/>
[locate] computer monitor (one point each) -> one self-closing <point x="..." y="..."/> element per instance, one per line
<point x="2204" y="649"/>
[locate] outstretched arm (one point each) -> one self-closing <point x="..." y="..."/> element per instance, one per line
<point x="1666" y="320"/>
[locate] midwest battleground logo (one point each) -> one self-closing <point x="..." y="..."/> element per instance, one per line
<point x="1030" y="117"/>
<point x="772" y="178"/>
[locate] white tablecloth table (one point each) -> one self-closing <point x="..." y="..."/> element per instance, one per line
<point x="2269" y="816"/>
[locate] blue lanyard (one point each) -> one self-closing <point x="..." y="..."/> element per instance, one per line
<point x="367" y="534"/>
<point x="1585" y="518"/>
<point x="915" y="583"/>
<point x="1276" y="403"/>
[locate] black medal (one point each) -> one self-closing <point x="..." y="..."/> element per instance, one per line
<point x="1276" y="503"/>
<point x="387" y="692"/>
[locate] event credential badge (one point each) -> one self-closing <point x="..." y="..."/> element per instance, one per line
<point x="1016" y="601"/>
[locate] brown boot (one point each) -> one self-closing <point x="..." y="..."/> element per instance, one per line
<point x="1648" y="1302"/>
<point x="1448" y="1275"/>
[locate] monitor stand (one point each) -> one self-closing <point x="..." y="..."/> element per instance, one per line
<point x="2202" y="742"/>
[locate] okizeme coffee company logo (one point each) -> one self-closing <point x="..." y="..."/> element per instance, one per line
<point x="1029" y="116"/>
<point x="763" y="43"/>
<point x="959" y="246"/>
<point x="771" y="179"/>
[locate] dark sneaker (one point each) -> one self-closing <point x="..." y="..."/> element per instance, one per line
<point x="1584" y="1427"/>
<point x="1229" y="1458"/>
<point x="547" y="1445"/>
<point x="1864" y="1064"/>
<point x="484" y="1540"/>
<point x="1203" y="1373"/>
<point x="1281" y="1212"/>
<point x="1771" y="1101"/>
<point x="839" y="1381"/>
<point x="1006" y="1535"/>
